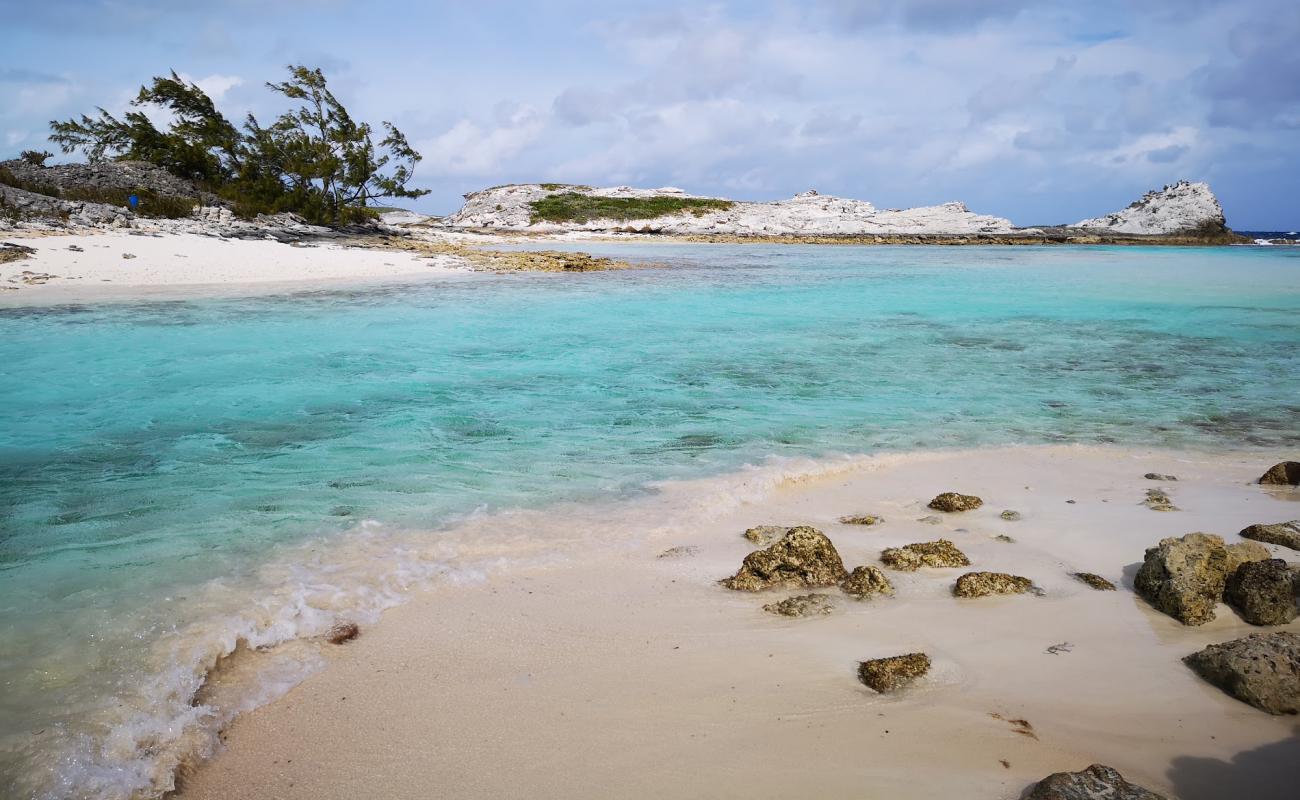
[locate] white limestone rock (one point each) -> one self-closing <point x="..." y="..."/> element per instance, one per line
<point x="808" y="213"/>
<point x="1181" y="208"/>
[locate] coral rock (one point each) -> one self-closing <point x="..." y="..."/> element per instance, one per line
<point x="1095" y="581"/>
<point x="893" y="673"/>
<point x="983" y="584"/>
<point x="1097" y="782"/>
<point x="1287" y="473"/>
<point x="1184" y="577"/>
<point x="865" y="582"/>
<point x="1286" y="534"/>
<point x="1262" y="669"/>
<point x="1263" y="592"/>
<point x="1159" y="501"/>
<point x="803" y="557"/>
<point x="342" y="631"/>
<point x="804" y="605"/>
<point x="864" y="519"/>
<point x="912" y="557"/>
<point x="1156" y="476"/>
<point x="1010" y="516"/>
<point x="952" y="501"/>
<point x="765" y="535"/>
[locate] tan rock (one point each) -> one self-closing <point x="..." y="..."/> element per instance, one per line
<point x="911" y="557"/>
<point x="803" y="557"/>
<point x="867" y="581"/>
<point x="983" y="584"/>
<point x="1286" y="534"/>
<point x="952" y="502"/>
<point x="1095" y="581"/>
<point x="863" y="519"/>
<point x="893" y="673"/>
<point x="1286" y="473"/>
<point x="1184" y="577"/>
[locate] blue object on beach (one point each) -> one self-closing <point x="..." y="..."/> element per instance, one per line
<point x="133" y="201"/>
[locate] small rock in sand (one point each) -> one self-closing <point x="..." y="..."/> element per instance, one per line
<point x="983" y="584"/>
<point x="128" y="256"/>
<point x="764" y="535"/>
<point x="1156" y="476"/>
<point x="1097" y="782"/>
<point x="912" y="557"/>
<point x="866" y="581"/>
<point x="1262" y="669"/>
<point x="893" y="673"/>
<point x="1159" y="501"/>
<point x="76" y="249"/>
<point x="803" y="557"/>
<point x="1286" y="473"/>
<point x="933" y="519"/>
<point x="1002" y="537"/>
<point x="680" y="551"/>
<point x="804" y="605"/>
<point x="952" y="502"/>
<point x="1095" y="581"/>
<point x="1263" y="592"/>
<point x="1010" y="516"/>
<point x="1286" y="534"/>
<point x="342" y="631"/>
<point x="863" y="519"/>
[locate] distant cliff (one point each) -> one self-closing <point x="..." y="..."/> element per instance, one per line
<point x="1182" y="208"/>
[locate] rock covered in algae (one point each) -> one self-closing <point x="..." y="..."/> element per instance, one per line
<point x="1097" y="782"/>
<point x="861" y="519"/>
<point x="1184" y="577"/>
<point x="911" y="557"/>
<point x="1263" y="592"/>
<point x="1286" y="473"/>
<point x="983" y="584"/>
<point x="867" y="581"/>
<point x="345" y="630"/>
<point x="803" y="605"/>
<point x="1262" y="669"/>
<point x="803" y="557"/>
<point x="764" y="535"/>
<point x="1286" y="534"/>
<point x="893" y="673"/>
<point x="1095" y="581"/>
<point x="952" y="501"/>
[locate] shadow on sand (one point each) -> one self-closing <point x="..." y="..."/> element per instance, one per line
<point x="1268" y="772"/>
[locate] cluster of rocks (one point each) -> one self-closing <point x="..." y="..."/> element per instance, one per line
<point x="1186" y="577"/>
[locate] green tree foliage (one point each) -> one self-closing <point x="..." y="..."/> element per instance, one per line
<point x="314" y="159"/>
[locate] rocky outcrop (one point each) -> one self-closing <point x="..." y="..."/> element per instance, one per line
<point x="866" y="581"/>
<point x="511" y="207"/>
<point x="765" y="535"/>
<point x="891" y="674"/>
<point x="1261" y="669"/>
<point x="1095" y="581"/>
<point x="1183" y="207"/>
<point x="1184" y="577"/>
<point x="108" y="178"/>
<point x="24" y="205"/>
<point x="1286" y="534"/>
<point x="804" y="605"/>
<point x="953" y="502"/>
<point x="912" y="557"/>
<point x="1263" y="592"/>
<point x="861" y="519"/>
<point x="983" y="584"/>
<point x="803" y="557"/>
<point x="1097" y="782"/>
<point x="1287" y="473"/>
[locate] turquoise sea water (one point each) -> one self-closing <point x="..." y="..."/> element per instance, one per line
<point x="156" y="457"/>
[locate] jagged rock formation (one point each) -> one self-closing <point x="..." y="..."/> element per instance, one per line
<point x="511" y="207"/>
<point x="893" y="673"/>
<point x="803" y="557"/>
<point x="1261" y="669"/>
<point x="1097" y="782"/>
<point x="109" y="177"/>
<point x="1179" y="208"/>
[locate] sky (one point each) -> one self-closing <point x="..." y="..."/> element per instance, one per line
<point x="1043" y="112"/>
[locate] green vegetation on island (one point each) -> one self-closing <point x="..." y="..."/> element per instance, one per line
<point x="314" y="159"/>
<point x="579" y="208"/>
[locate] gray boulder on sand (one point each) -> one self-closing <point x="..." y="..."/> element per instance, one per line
<point x="803" y="557"/>
<point x="1263" y="592"/>
<point x="1286" y="473"/>
<point x="983" y="584"/>
<point x="1262" y="669"/>
<point x="912" y="557"/>
<point x="1098" y="782"/>
<point x="952" y="501"/>
<point x="1185" y="577"/>
<point x="804" y="605"/>
<point x="1286" y="534"/>
<point x="764" y="535"/>
<point x="866" y="581"/>
<point x="893" y="673"/>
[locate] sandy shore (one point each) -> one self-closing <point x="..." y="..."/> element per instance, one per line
<point x="184" y="264"/>
<point x="617" y="673"/>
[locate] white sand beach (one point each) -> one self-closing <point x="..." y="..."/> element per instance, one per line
<point x="614" y="672"/>
<point x="95" y="265"/>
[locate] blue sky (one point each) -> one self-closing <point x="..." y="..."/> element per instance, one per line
<point x="1040" y="111"/>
